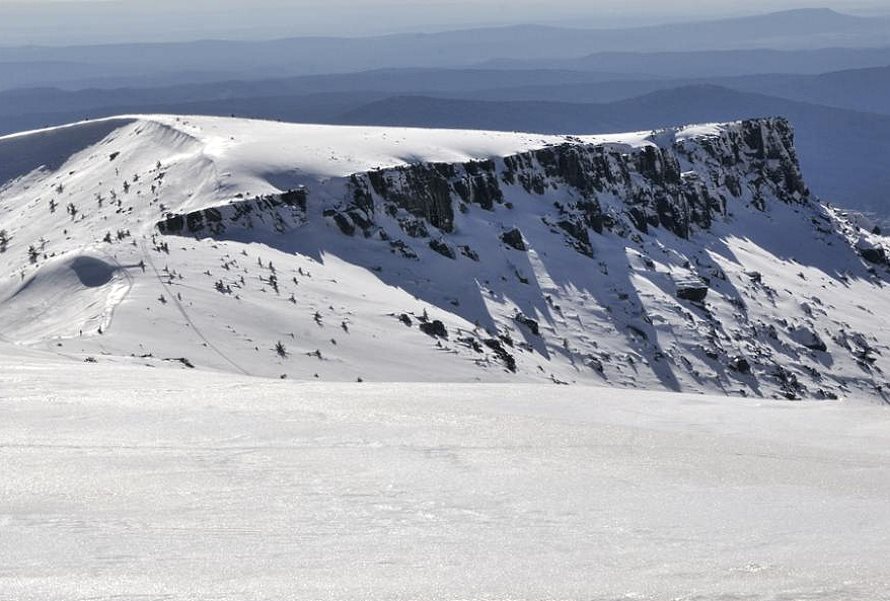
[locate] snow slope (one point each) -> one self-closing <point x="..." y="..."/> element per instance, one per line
<point x="123" y="482"/>
<point x="343" y="253"/>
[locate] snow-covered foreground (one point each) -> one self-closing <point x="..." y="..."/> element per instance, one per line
<point x="123" y="482"/>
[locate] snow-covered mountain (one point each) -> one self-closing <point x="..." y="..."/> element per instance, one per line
<point x="693" y="259"/>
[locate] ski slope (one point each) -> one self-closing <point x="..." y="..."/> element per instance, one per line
<point x="134" y="483"/>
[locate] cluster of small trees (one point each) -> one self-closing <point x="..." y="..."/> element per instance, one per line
<point x="119" y="236"/>
<point x="34" y="253"/>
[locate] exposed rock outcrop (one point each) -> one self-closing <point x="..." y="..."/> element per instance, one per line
<point x="276" y="211"/>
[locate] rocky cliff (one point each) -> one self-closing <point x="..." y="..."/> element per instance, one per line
<point x="679" y="184"/>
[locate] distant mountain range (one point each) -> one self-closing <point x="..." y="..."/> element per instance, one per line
<point x="865" y="89"/>
<point x="127" y="64"/>
<point x="710" y="63"/>
<point x="857" y="89"/>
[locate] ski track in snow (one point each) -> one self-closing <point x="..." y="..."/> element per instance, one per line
<point x="178" y="304"/>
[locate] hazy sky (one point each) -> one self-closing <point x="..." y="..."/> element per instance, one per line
<point x="76" y="21"/>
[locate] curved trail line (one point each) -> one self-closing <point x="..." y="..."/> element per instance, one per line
<point x="184" y="313"/>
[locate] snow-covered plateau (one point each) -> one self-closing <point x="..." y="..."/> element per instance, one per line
<point x="121" y="482"/>
<point x="691" y="260"/>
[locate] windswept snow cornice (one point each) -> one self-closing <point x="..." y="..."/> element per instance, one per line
<point x="325" y="151"/>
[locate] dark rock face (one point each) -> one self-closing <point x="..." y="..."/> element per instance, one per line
<point x="692" y="290"/>
<point x="740" y="365"/>
<point x="595" y="364"/>
<point x="344" y="223"/>
<point x="279" y="212"/>
<point x="414" y="227"/>
<point x="791" y="387"/>
<point x="506" y="358"/>
<point x="578" y="235"/>
<point x="469" y="253"/>
<point x="513" y="239"/>
<point x="435" y="329"/>
<point x="442" y="248"/>
<point x="876" y="255"/>
<point x="422" y="190"/>
<point x="480" y="185"/>
<point x="755" y="160"/>
<point x="530" y="323"/>
<point x="400" y="248"/>
<point x="817" y="345"/>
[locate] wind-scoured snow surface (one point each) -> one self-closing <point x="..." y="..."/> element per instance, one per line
<point x="690" y="260"/>
<point x="252" y="150"/>
<point x="130" y="483"/>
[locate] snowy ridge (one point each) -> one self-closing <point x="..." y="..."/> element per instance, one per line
<point x="692" y="259"/>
